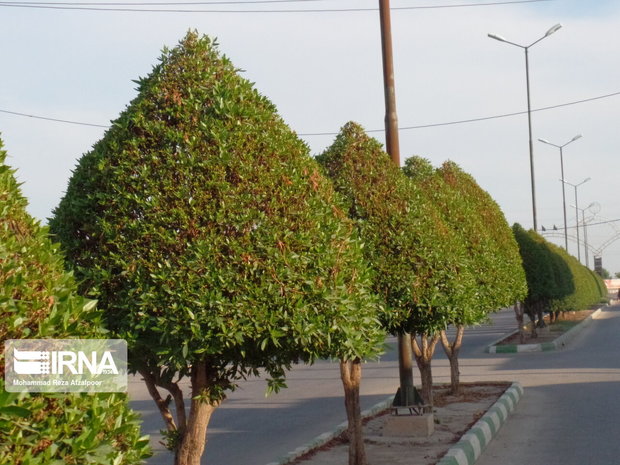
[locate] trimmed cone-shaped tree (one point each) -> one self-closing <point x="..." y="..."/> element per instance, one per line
<point x="557" y="282"/>
<point x="414" y="255"/>
<point x="38" y="299"/>
<point x="213" y="243"/>
<point x="580" y="290"/>
<point x="549" y="277"/>
<point x="491" y="275"/>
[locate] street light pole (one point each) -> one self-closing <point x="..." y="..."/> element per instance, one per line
<point x="578" y="136"/>
<point x="585" y="231"/>
<point x="575" y="186"/>
<point x="529" y="109"/>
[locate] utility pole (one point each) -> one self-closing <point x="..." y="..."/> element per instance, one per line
<point x="406" y="394"/>
<point x="391" y="119"/>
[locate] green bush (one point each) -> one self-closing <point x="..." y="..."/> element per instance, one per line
<point x="38" y="300"/>
<point x="213" y="243"/>
<point x="556" y="280"/>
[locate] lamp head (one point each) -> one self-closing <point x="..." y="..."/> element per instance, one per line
<point x="496" y="37"/>
<point x="578" y="136"/>
<point x="553" y="29"/>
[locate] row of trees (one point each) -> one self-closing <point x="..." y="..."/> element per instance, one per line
<point x="218" y="247"/>
<point x="556" y="281"/>
<point x="38" y="299"/>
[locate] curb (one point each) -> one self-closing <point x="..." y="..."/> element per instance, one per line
<point x="324" y="438"/>
<point x="556" y="344"/>
<point x="473" y="442"/>
<point x="464" y="452"/>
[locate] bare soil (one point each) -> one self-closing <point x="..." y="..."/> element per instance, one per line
<point x="566" y="321"/>
<point x="454" y="416"/>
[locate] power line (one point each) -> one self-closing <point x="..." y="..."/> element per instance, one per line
<point x="76" y="6"/>
<point x="474" y="120"/>
<point x="557" y="229"/>
<point x="404" y="128"/>
<point x="224" y="2"/>
<point x="56" y="120"/>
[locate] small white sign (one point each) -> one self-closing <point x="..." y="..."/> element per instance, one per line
<point x="65" y="365"/>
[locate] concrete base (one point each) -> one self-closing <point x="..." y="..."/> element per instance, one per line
<point x="410" y="425"/>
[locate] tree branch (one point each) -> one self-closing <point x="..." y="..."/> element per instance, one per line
<point x="162" y="405"/>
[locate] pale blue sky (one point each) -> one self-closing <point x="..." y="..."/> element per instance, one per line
<point x="324" y="69"/>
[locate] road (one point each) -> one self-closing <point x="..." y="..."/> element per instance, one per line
<point x="250" y="429"/>
<point x="569" y="413"/>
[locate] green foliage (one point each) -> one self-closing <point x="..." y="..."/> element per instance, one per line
<point x="585" y="290"/>
<point x="490" y="275"/>
<point x="207" y="232"/>
<point x="556" y="280"/>
<point x="416" y="258"/>
<point x="538" y="268"/>
<point x="37" y="300"/>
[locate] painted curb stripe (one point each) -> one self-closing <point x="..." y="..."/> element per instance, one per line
<point x="473" y="443"/>
<point x="485" y="430"/>
<point x="457" y="456"/>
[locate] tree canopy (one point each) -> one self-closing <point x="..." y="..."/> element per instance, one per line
<point x="413" y="253"/>
<point x="211" y="239"/>
<point x="38" y="299"/>
<point x="491" y="272"/>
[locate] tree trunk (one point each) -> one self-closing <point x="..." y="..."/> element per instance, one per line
<point x="452" y="351"/>
<point x="540" y="311"/>
<point x="423" y="353"/>
<point x="192" y="443"/>
<point x="532" y="316"/>
<point x="518" y="308"/>
<point x="530" y="309"/>
<point x="351" y="375"/>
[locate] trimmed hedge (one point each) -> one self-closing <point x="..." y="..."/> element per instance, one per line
<point x="556" y="280"/>
<point x="38" y="299"/>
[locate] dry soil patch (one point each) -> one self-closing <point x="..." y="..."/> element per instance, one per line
<point x="552" y="331"/>
<point x="454" y="415"/>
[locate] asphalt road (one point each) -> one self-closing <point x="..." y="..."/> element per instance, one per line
<point x="570" y="412"/>
<point x="569" y="395"/>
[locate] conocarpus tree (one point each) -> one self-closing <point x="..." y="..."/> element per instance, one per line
<point x="212" y="241"/>
<point x="38" y="299"/>
<point x="557" y="281"/>
<point x="542" y="274"/>
<point x="413" y="254"/>
<point x="491" y="275"/>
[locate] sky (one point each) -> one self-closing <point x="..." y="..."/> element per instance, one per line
<point x="323" y="69"/>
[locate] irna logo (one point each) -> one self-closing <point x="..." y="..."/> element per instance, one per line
<point x="59" y="362"/>
<point x="65" y="365"/>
